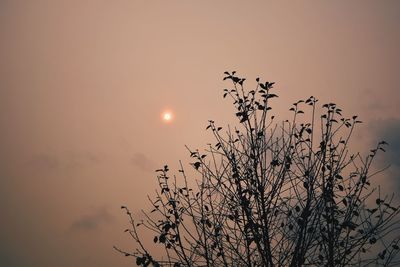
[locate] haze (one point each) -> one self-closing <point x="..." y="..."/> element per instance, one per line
<point x="83" y="84"/>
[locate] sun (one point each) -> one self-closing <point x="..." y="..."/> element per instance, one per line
<point x="167" y="116"/>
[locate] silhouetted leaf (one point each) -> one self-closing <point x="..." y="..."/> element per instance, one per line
<point x="244" y="118"/>
<point x="305" y="184"/>
<point x="139" y="261"/>
<point x="162" y="238"/>
<point x="196" y="165"/>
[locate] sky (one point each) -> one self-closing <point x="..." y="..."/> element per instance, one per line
<point x="83" y="85"/>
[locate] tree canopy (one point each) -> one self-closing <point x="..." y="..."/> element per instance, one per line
<point x="272" y="194"/>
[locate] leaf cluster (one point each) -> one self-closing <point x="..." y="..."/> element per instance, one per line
<point x="269" y="194"/>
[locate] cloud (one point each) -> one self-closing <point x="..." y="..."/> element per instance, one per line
<point x="92" y="220"/>
<point x="65" y="162"/>
<point x="10" y="256"/>
<point x="389" y="131"/>
<point x="143" y="162"/>
<point x="45" y="161"/>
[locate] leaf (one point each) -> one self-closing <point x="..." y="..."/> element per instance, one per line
<point x="338" y="176"/>
<point x="162" y="238"/>
<point x="271" y="96"/>
<point x="372" y="211"/>
<point x="305" y="184"/>
<point x="244" y="118"/>
<point x="139" y="261"/>
<point x="197" y="165"/>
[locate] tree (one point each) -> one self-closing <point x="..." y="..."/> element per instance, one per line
<point x="268" y="194"/>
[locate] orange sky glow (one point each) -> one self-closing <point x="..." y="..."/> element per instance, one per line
<point x="84" y="84"/>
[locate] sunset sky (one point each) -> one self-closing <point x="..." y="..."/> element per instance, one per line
<point x="84" y="84"/>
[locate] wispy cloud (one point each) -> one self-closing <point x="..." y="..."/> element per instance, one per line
<point x="141" y="161"/>
<point x="66" y="161"/>
<point x="92" y="221"/>
<point x="389" y="131"/>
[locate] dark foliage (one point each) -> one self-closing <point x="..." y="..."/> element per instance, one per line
<point x="268" y="194"/>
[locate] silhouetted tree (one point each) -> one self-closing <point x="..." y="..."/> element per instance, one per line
<point x="269" y="194"/>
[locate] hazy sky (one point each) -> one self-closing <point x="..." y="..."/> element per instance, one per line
<point x="83" y="83"/>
